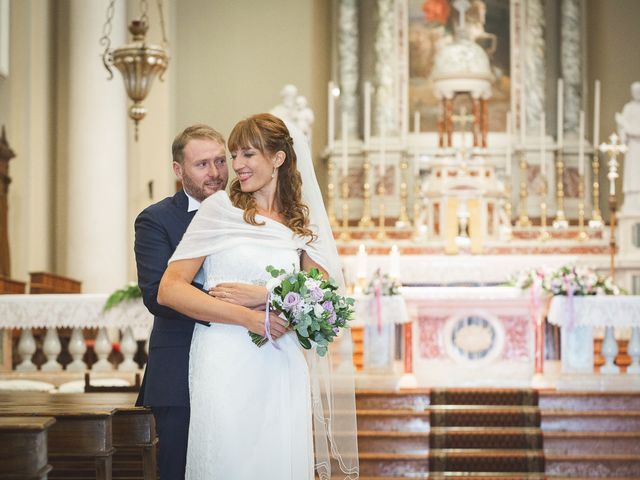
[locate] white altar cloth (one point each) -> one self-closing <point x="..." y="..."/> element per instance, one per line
<point x="77" y="310"/>
<point x="596" y="310"/>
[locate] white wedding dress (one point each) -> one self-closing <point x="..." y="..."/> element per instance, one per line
<point x="250" y="406"/>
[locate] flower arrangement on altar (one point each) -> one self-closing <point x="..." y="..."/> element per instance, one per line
<point x="567" y="280"/>
<point x="385" y="283"/>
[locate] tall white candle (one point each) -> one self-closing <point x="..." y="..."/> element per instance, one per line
<point x="416" y="122"/>
<point x="581" y="145"/>
<point x="596" y="115"/>
<point x="345" y="145"/>
<point x="367" y="112"/>
<point x="361" y="262"/>
<point x="523" y="119"/>
<point x="330" y="114"/>
<point x="543" y="162"/>
<point x="507" y="167"/>
<point x="560" y="137"/>
<point x="612" y="186"/>
<point x="383" y="148"/>
<point x="394" y="262"/>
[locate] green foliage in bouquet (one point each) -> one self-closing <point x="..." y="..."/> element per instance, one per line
<point x="310" y="304"/>
<point x="130" y="292"/>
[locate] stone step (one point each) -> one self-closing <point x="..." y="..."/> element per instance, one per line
<point x="576" y="443"/>
<point x="559" y="400"/>
<point x="590" y="421"/>
<point x="593" y="465"/>
<point x="394" y="465"/>
<point x="393" y="442"/>
<point x="475" y="475"/>
<point x="414" y="399"/>
<point x="482" y="460"/>
<point x="393" y="420"/>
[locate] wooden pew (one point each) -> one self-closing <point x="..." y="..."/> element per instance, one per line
<point x="23" y="447"/>
<point x="80" y="436"/>
<point x="133" y="428"/>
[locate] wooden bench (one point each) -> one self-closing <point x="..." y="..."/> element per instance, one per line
<point x="133" y="428"/>
<point x="81" y="436"/>
<point x="23" y="447"/>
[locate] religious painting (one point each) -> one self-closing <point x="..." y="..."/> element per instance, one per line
<point x="434" y="24"/>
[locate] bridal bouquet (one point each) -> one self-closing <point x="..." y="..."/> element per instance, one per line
<point x="311" y="305"/>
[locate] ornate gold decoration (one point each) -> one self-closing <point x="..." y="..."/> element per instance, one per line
<point x="344" y="234"/>
<point x="523" y="218"/>
<point x="139" y="62"/>
<point x="544" y="233"/>
<point x="366" y="221"/>
<point x="403" y="220"/>
<point x="582" y="234"/>
<point x="560" y="221"/>
<point x="596" y="217"/>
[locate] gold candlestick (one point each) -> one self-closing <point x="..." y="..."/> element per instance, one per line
<point x="523" y="219"/>
<point x="560" y="221"/>
<point x="596" y="216"/>
<point x="366" y="221"/>
<point x="582" y="234"/>
<point x="382" y="234"/>
<point x="331" y="195"/>
<point x="403" y="220"/>
<point x="544" y="233"/>
<point x="507" y="206"/>
<point x="344" y="234"/>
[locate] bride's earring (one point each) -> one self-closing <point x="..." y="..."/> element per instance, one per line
<point x="273" y="174"/>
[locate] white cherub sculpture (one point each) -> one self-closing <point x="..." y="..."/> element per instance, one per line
<point x="628" y="122"/>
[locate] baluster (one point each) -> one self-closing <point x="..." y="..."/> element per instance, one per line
<point x="77" y="349"/>
<point x="102" y="349"/>
<point x="128" y="347"/>
<point x="51" y="348"/>
<point x="26" y="349"/>
<point x="633" y="349"/>
<point x="609" y="351"/>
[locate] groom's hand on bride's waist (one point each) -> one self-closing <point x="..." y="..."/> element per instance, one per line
<point x="244" y="294"/>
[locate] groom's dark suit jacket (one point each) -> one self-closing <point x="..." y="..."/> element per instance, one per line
<point x="159" y="229"/>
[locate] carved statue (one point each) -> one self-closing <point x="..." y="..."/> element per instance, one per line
<point x="287" y="109"/>
<point x="6" y="154"/>
<point x="628" y="122"/>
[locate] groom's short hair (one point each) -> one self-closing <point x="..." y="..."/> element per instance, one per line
<point x="200" y="131"/>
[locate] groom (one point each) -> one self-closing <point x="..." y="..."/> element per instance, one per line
<point x="200" y="163"/>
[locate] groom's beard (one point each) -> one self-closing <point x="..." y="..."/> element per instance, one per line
<point x="203" y="191"/>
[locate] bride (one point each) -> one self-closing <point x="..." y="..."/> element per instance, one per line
<point x="261" y="412"/>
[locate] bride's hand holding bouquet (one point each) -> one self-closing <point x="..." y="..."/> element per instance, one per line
<point x="311" y="306"/>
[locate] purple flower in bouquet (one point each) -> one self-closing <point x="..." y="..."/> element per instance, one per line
<point x="291" y="301"/>
<point x="316" y="294"/>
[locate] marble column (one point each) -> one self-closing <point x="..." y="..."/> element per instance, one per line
<point x="385" y="111"/>
<point x="349" y="62"/>
<point x="534" y="79"/>
<point x="97" y="160"/>
<point x="571" y="63"/>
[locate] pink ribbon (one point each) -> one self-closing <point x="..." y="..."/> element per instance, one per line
<point x="378" y="306"/>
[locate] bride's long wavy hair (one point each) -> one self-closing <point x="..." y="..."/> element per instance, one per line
<point x="268" y="134"/>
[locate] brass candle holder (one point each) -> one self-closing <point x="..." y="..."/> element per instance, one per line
<point x="366" y="221"/>
<point x="344" y="234"/>
<point x="333" y="221"/>
<point x="403" y="219"/>
<point x="582" y="234"/>
<point x="382" y="234"/>
<point x="596" y="221"/>
<point x="560" y="221"/>
<point x="544" y="233"/>
<point x="523" y="218"/>
<point x="508" y="209"/>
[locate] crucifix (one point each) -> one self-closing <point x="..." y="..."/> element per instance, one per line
<point x="613" y="149"/>
<point x="463" y="119"/>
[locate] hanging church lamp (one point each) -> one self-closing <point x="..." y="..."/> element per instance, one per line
<point x="139" y="62"/>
